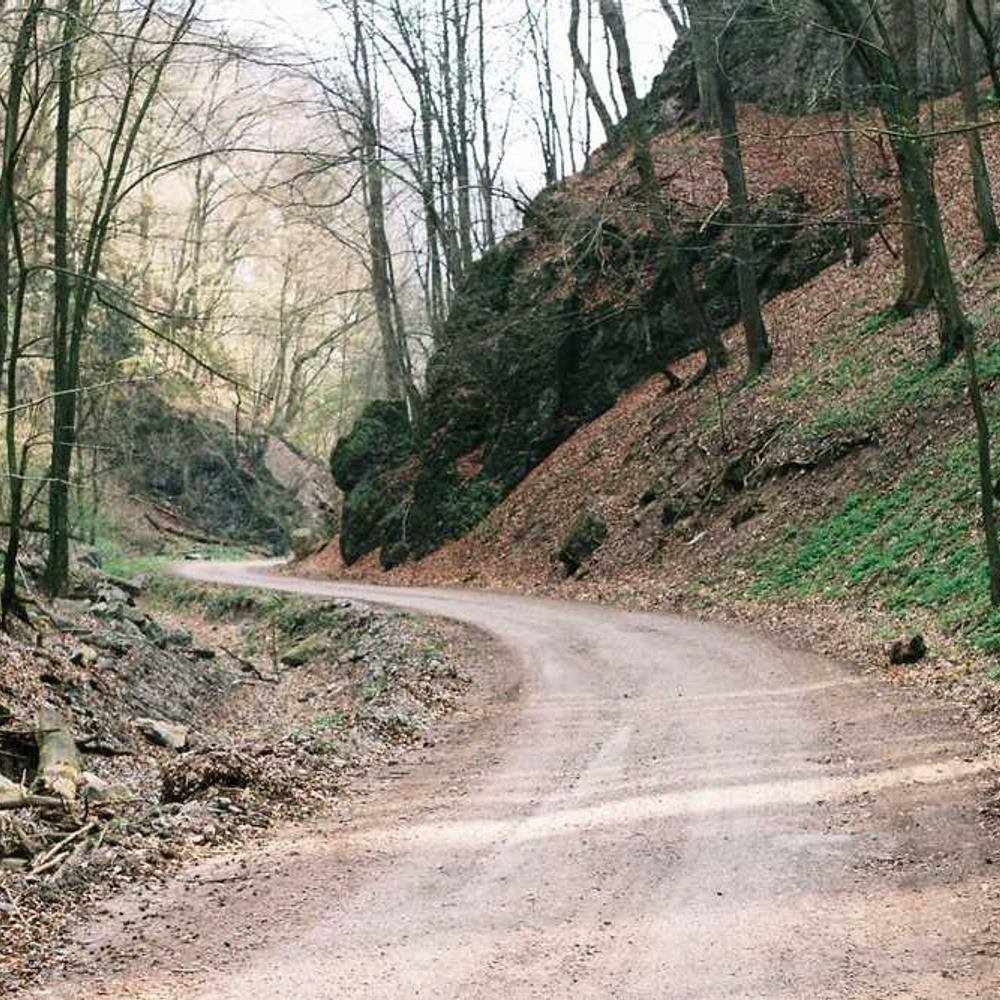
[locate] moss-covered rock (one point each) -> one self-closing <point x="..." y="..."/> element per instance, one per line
<point x="369" y="466"/>
<point x="380" y="439"/>
<point x="584" y="538"/>
<point x="538" y="344"/>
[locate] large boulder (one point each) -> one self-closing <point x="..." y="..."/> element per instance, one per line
<point x="162" y="733"/>
<point x="585" y="536"/>
<point x="782" y="56"/>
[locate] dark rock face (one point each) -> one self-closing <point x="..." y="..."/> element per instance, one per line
<point x="783" y="58"/>
<point x="534" y="348"/>
<point x="366" y="466"/>
<point x="195" y="465"/>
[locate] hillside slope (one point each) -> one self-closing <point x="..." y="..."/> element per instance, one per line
<point x="835" y="499"/>
<point x="552" y="325"/>
<point x="565" y="315"/>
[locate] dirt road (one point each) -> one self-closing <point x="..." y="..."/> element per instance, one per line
<point x="669" y="809"/>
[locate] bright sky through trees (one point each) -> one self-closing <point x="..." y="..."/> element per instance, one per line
<point x="303" y="25"/>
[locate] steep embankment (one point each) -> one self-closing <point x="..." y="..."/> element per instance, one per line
<point x="177" y="471"/>
<point x="564" y="316"/>
<point x="560" y="319"/>
<point x="834" y="500"/>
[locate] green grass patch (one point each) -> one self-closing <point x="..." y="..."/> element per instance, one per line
<point x="334" y="720"/>
<point x="915" y="545"/>
<point x="910" y="383"/>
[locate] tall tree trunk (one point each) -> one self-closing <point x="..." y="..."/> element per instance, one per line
<point x="582" y="67"/>
<point x="675" y="21"/>
<point x="982" y="191"/>
<point x="690" y="306"/>
<point x="917" y="289"/>
<point x="985" y="33"/>
<point x="986" y="501"/>
<point x="392" y="334"/>
<point x="10" y="335"/>
<point x="460" y="136"/>
<point x="758" y="347"/>
<point x="486" y="174"/>
<point x="703" y="50"/>
<point x="876" y="55"/>
<point x="858" y="244"/>
<point x="140" y="92"/>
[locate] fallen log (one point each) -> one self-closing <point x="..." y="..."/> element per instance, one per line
<point x="249" y="667"/>
<point x="190" y="536"/>
<point x="58" y="757"/>
<point x="14" y="796"/>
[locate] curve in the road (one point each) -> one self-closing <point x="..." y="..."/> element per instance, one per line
<point x="677" y="810"/>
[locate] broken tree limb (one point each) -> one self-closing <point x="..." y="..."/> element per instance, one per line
<point x="14" y="796"/>
<point x="190" y="536"/>
<point x="29" y="802"/>
<point x="51" y="857"/>
<point x="94" y="746"/>
<point x="58" y="757"/>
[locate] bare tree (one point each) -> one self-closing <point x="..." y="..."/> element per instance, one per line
<point x="547" y="121"/>
<point x="704" y="62"/>
<point x="986" y="30"/>
<point x="672" y="260"/>
<point x="398" y="374"/>
<point x="10" y="334"/>
<point x="901" y="63"/>
<point x="582" y="67"/>
<point x="858" y="244"/>
<point x="926" y="263"/>
<point x="707" y="22"/>
<point x="143" y="76"/>
<point x="982" y="191"/>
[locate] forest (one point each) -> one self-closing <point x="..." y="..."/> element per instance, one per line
<point x="336" y="333"/>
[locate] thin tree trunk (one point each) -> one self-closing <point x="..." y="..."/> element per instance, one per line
<point x="987" y="506"/>
<point x="380" y="252"/>
<point x="758" y="347"/>
<point x="12" y="336"/>
<point x="460" y="136"/>
<point x="583" y="69"/>
<point x="877" y="58"/>
<point x="985" y="33"/>
<point x="858" y="244"/>
<point x="917" y="289"/>
<point x="703" y="50"/>
<point x="668" y="9"/>
<point x="486" y="174"/>
<point x="673" y="262"/>
<point x="982" y="191"/>
<point x="116" y="162"/>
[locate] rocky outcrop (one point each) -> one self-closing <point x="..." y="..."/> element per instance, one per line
<point x="538" y="344"/>
<point x="196" y="469"/>
<point x="369" y="466"/>
<point x="783" y="57"/>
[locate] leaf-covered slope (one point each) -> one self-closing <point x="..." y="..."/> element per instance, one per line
<point x="843" y="482"/>
<point x="563" y="317"/>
